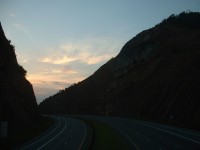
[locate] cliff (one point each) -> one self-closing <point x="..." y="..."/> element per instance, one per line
<point x="154" y="77"/>
<point x="18" y="105"/>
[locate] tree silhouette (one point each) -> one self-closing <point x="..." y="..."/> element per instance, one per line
<point x="185" y="19"/>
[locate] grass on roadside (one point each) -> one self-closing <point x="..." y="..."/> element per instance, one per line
<point x="105" y="137"/>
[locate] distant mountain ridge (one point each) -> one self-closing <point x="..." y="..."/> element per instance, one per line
<point x="154" y="77"/>
<point x="18" y="105"/>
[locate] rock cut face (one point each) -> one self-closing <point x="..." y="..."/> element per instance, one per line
<point x="18" y="104"/>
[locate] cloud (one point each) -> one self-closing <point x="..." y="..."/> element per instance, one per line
<point x="11" y="14"/>
<point x="51" y="83"/>
<point x="95" y="60"/>
<point x="46" y="60"/>
<point x="88" y="51"/>
<point x="48" y="75"/>
<point x="43" y="92"/>
<point x="58" y="59"/>
<point x="55" y="68"/>
<point x="60" y="71"/>
<point x="51" y="78"/>
<point x="24" y="61"/>
<point x="60" y="83"/>
<point x="20" y="27"/>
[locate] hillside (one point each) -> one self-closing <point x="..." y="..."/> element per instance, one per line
<point x="154" y="77"/>
<point x="18" y="105"/>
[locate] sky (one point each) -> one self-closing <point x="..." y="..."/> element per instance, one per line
<point x="62" y="42"/>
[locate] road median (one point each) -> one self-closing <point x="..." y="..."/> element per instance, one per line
<point x="104" y="136"/>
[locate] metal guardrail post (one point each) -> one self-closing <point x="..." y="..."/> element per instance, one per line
<point x="4" y="129"/>
<point x="4" y="113"/>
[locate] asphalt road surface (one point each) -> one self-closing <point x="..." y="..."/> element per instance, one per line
<point x="70" y="134"/>
<point x="67" y="133"/>
<point x="143" y="135"/>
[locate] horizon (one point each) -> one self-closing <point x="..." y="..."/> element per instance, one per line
<point x="58" y="52"/>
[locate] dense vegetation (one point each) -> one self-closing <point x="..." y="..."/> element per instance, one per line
<point x="184" y="19"/>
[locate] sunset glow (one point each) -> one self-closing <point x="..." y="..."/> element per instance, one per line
<point x="66" y="43"/>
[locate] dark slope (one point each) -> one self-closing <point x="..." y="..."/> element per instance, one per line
<point x="17" y="100"/>
<point x="154" y="77"/>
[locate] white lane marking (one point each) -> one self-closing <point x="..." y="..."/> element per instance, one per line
<point x="166" y="126"/>
<point x="185" y="131"/>
<point x="170" y="132"/>
<point x="128" y="139"/>
<point x="148" y="139"/>
<point x="84" y="137"/>
<point x="43" y="136"/>
<point x="66" y="142"/>
<point x="53" y="137"/>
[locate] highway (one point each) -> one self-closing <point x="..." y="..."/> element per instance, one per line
<point x="71" y="134"/>
<point x="143" y="135"/>
<point x="67" y="134"/>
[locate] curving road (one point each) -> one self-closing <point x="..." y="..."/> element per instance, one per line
<point x="67" y="133"/>
<point x="141" y="135"/>
<point x="70" y="134"/>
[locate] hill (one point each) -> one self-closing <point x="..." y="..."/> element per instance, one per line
<point x="18" y="105"/>
<point x="154" y="77"/>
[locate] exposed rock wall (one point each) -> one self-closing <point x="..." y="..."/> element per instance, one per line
<point x="17" y="100"/>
